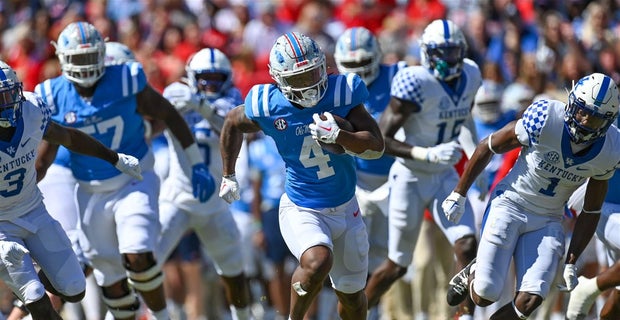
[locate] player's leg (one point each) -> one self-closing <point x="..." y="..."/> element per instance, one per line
<point x="536" y="262"/>
<point x="484" y="281"/>
<point x="307" y="236"/>
<point x="136" y="217"/>
<point x="461" y="235"/>
<point x="350" y="262"/>
<point x="406" y="207"/>
<point x="276" y="254"/>
<point x="221" y="239"/>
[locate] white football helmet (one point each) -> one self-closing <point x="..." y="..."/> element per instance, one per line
<point x="442" y="49"/>
<point x="209" y="73"/>
<point x="81" y="52"/>
<point x="357" y="51"/>
<point x="117" y="53"/>
<point x="298" y="66"/>
<point x="11" y="96"/>
<point x="593" y="99"/>
<point x="487" y="103"/>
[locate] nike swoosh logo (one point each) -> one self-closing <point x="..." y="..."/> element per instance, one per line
<point x="356" y="213"/>
<point x="581" y="169"/>
<point x="326" y="129"/>
<point x="25" y="142"/>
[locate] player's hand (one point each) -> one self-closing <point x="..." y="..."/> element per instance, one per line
<point x="326" y="130"/>
<point x="129" y="165"/>
<point x="12" y="253"/>
<point x="482" y="183"/>
<point x="570" y="278"/>
<point x="229" y="189"/>
<point x="202" y="182"/>
<point x="448" y="153"/>
<point x="454" y="207"/>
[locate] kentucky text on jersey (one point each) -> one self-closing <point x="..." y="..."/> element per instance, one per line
<point x="559" y="171"/>
<point x="458" y="113"/>
<point x="18" y="162"/>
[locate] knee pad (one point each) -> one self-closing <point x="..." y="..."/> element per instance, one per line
<point x="487" y="290"/>
<point x="31" y="292"/>
<point x="146" y="280"/>
<point x="123" y="307"/>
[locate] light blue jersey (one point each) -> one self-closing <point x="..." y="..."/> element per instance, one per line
<point x="378" y="100"/>
<point x="315" y="178"/>
<point x="613" y="192"/>
<point x="266" y="162"/>
<point x="110" y="116"/>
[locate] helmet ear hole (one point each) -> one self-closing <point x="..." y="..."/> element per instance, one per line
<point x="297" y="65"/>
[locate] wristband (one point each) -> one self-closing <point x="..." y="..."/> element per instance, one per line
<point x="193" y="154"/>
<point x="419" y="153"/>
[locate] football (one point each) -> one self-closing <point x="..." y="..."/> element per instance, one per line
<point x="343" y="124"/>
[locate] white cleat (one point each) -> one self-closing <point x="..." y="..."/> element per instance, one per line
<point x="582" y="298"/>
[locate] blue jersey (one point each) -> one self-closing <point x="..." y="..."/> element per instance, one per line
<point x="109" y="116"/>
<point x="315" y="178"/>
<point x="613" y="192"/>
<point x="378" y="100"/>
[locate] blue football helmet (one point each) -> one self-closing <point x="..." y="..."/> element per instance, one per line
<point x="81" y="51"/>
<point x="442" y="49"/>
<point x="11" y="96"/>
<point x="117" y="53"/>
<point x="594" y="99"/>
<point x="209" y="73"/>
<point x="357" y="51"/>
<point x="298" y="66"/>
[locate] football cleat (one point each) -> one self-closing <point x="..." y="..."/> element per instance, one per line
<point x="458" y="288"/>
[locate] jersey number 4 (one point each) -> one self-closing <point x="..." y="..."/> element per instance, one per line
<point x="312" y="155"/>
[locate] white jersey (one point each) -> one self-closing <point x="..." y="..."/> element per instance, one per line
<point x="547" y="172"/>
<point x="443" y="109"/>
<point x="18" y="182"/>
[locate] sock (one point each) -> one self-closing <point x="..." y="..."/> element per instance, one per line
<point x="160" y="315"/>
<point x="240" y="313"/>
<point x="466" y="317"/>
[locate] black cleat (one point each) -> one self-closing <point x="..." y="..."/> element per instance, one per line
<point x="458" y="288"/>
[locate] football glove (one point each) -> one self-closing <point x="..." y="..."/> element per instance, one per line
<point x="129" y="165"/>
<point x="12" y="253"/>
<point x="454" y="207"/>
<point x="448" y="153"/>
<point x="570" y="277"/>
<point x="326" y="130"/>
<point x="202" y="182"/>
<point x="229" y="189"/>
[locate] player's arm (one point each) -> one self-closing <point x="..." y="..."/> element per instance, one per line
<point x="501" y="141"/>
<point x="46" y="154"/>
<point x="588" y="218"/>
<point x="80" y="142"/>
<point x="235" y="125"/>
<point x="77" y="141"/>
<point x="391" y="120"/>
<point x="366" y="141"/>
<point x="153" y="105"/>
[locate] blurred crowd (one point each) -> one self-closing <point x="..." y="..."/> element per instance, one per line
<point x="544" y="43"/>
<point x="536" y="47"/>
